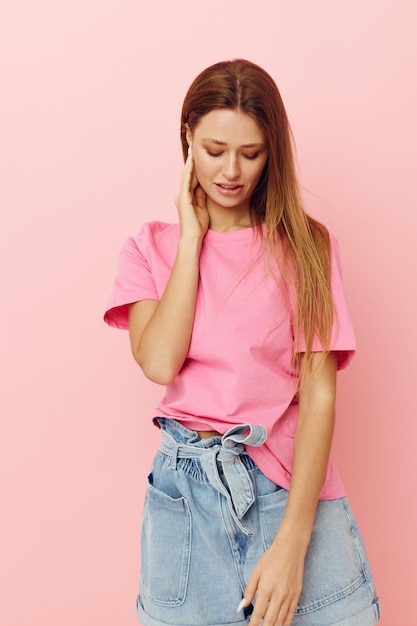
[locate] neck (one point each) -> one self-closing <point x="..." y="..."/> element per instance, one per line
<point x="225" y="220"/>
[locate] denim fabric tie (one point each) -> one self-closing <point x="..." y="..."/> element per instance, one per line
<point x="240" y="495"/>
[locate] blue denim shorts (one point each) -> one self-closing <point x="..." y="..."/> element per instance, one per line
<point x="209" y="515"/>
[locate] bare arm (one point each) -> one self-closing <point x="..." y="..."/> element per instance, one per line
<point x="160" y="332"/>
<point x="313" y="438"/>
<point x="277" y="577"/>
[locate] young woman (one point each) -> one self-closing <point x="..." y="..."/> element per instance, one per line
<point x="239" y="310"/>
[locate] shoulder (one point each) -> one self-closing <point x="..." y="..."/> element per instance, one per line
<point x="324" y="238"/>
<point x="334" y="250"/>
<point x="158" y="230"/>
<point x="154" y="235"/>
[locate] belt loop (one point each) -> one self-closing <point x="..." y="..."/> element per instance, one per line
<point x="174" y="453"/>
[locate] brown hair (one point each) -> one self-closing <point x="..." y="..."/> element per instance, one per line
<point x="296" y="241"/>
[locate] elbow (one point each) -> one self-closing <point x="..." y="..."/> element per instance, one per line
<point x="158" y="376"/>
<point x="154" y="370"/>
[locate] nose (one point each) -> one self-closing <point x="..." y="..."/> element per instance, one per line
<point x="231" y="169"/>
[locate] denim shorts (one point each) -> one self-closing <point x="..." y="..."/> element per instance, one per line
<point x="209" y="515"/>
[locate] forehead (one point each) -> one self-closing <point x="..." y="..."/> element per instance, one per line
<point x="229" y="126"/>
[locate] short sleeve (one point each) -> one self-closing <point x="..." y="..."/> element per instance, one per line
<point x="342" y="338"/>
<point x="133" y="281"/>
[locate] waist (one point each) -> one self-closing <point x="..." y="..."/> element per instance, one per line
<point x="199" y="426"/>
<point x="207" y="434"/>
<point x="241" y="434"/>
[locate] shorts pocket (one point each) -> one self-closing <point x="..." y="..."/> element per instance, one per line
<point x="165" y="547"/>
<point x="271" y="511"/>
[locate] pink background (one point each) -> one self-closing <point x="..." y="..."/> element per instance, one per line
<point x="90" y="99"/>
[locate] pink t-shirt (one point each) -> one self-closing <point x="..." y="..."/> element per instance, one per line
<point x="238" y="365"/>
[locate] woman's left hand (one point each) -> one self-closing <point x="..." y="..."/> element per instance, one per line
<point x="276" y="580"/>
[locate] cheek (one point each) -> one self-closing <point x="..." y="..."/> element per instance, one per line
<point x="203" y="169"/>
<point x="258" y="173"/>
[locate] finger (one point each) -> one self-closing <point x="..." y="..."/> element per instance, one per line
<point x="287" y="621"/>
<point x="249" y="595"/>
<point x="186" y="174"/>
<point x="271" y="616"/>
<point x="259" y="612"/>
<point x="251" y="588"/>
<point x="185" y="182"/>
<point x="284" y="616"/>
<point x="271" y="612"/>
<point x="200" y="197"/>
<point x="194" y="180"/>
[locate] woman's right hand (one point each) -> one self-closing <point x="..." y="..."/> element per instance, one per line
<point x="191" y="203"/>
<point x="160" y="332"/>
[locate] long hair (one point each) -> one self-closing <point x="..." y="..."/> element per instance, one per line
<point x="296" y="243"/>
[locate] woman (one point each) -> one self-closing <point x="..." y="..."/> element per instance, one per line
<point x="239" y="310"/>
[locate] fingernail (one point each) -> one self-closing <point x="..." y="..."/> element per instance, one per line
<point x="241" y="605"/>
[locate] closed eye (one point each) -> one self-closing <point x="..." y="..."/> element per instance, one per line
<point x="250" y="157"/>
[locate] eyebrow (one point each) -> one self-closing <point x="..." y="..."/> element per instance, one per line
<point x="222" y="143"/>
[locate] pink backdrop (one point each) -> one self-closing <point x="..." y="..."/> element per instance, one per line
<point x="90" y="99"/>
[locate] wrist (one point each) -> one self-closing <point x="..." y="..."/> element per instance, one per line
<point x="190" y="244"/>
<point x="297" y="534"/>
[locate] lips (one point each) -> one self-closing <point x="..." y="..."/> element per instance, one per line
<point x="228" y="189"/>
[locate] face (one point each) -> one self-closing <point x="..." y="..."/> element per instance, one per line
<point x="230" y="153"/>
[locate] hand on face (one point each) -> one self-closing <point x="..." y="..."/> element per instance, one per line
<point x="191" y="203"/>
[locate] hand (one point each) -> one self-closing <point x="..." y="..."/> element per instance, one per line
<point x="191" y="203"/>
<point x="276" y="580"/>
